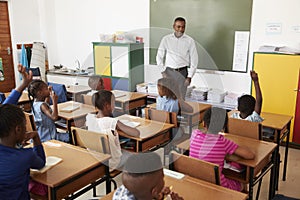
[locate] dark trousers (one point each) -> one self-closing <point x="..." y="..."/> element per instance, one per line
<point x="179" y="77"/>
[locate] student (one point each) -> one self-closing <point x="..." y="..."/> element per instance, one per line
<point x="95" y="83"/>
<point x="104" y="122"/>
<point x="212" y="147"/>
<point x="247" y="105"/>
<point x="15" y="162"/>
<point x="44" y="116"/>
<point x="143" y="179"/>
<point x="15" y="94"/>
<point x="169" y="98"/>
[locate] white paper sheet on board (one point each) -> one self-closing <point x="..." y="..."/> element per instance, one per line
<point x="241" y="42"/>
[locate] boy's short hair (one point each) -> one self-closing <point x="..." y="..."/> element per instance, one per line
<point x="215" y="119"/>
<point x="141" y="164"/>
<point x="246" y="104"/>
<point x="11" y="117"/>
<point x="94" y="80"/>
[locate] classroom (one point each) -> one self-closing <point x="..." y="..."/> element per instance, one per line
<point x="73" y="34"/>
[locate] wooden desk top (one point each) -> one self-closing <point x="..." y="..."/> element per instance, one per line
<point x="70" y="166"/>
<point x="197" y="107"/>
<point x="147" y="128"/>
<point x="81" y="112"/>
<point x="77" y="88"/>
<point x="271" y="120"/>
<point x="261" y="149"/>
<point x="23" y="98"/>
<point x="276" y="121"/>
<point x="125" y="96"/>
<point x="193" y="189"/>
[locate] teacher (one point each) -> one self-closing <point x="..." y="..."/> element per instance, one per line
<point x="177" y="51"/>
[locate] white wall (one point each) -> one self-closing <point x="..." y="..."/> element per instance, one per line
<point x="69" y="26"/>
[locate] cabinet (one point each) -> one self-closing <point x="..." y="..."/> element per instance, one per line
<point x="278" y="77"/>
<point x="120" y="64"/>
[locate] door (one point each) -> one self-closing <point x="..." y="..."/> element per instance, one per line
<point x="8" y="83"/>
<point x="296" y="136"/>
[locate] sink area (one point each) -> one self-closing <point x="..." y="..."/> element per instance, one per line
<point x="71" y="72"/>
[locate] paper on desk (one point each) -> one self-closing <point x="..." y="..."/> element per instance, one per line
<point x="70" y="108"/>
<point x="130" y="123"/>
<point x="173" y="174"/>
<point x="50" y="162"/>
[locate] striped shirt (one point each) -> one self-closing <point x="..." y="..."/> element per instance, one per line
<point x="213" y="148"/>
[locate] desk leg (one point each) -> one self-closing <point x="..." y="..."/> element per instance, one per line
<point x="286" y="151"/>
<point x="272" y="176"/>
<point x="251" y="176"/>
<point x="53" y="193"/>
<point x="277" y="162"/>
<point x="107" y="181"/>
<point x="190" y="125"/>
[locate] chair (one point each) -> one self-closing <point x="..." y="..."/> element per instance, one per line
<point x="96" y="142"/>
<point x="87" y="99"/>
<point x="248" y="129"/>
<point x="195" y="168"/>
<point x="60" y="90"/>
<point x="244" y="128"/>
<point x="36" y="74"/>
<point x="161" y="116"/>
<point x="30" y="124"/>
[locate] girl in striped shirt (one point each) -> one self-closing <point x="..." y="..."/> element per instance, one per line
<point x="212" y="147"/>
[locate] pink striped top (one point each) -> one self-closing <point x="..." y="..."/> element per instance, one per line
<point x="213" y="148"/>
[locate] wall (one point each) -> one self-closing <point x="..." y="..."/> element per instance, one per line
<point x="69" y="26"/>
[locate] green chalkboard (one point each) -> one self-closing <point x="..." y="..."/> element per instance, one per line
<point x="212" y="24"/>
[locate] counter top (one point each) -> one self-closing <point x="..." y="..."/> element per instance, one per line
<point x="68" y="73"/>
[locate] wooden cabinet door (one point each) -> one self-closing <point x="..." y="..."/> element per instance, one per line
<point x="6" y="50"/>
<point x="296" y="136"/>
<point x="278" y="77"/>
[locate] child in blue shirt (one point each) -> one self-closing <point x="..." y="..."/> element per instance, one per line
<point x="15" y="162"/>
<point x="169" y="98"/>
<point x="44" y="116"/>
<point x="248" y="106"/>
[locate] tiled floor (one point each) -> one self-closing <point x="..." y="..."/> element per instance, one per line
<point x="289" y="188"/>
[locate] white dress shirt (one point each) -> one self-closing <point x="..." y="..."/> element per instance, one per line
<point x="178" y="52"/>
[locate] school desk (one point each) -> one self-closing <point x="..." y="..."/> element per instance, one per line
<point x="194" y="117"/>
<point x="193" y="189"/>
<point x="282" y="126"/>
<point x="126" y="101"/>
<point x="255" y="168"/>
<point x="152" y="133"/>
<point x="74" y="91"/>
<point x="23" y="101"/>
<point x="79" y="171"/>
<point x="77" y="116"/>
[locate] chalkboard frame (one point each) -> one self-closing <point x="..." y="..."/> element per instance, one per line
<point x="212" y="24"/>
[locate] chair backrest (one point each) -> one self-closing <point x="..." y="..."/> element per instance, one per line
<point x="244" y="128"/>
<point x="195" y="168"/>
<point x="60" y="90"/>
<point x="90" y="140"/>
<point x="87" y="99"/>
<point x="30" y="124"/>
<point x="161" y="116"/>
<point x="36" y="74"/>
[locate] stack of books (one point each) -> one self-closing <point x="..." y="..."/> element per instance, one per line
<point x="152" y="88"/>
<point x="200" y="93"/>
<point x="231" y="99"/>
<point x="216" y="95"/>
<point x="189" y="91"/>
<point x="142" y="87"/>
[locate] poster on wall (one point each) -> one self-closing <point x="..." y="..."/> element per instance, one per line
<point x="1" y="71"/>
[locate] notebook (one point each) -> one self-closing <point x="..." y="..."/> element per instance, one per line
<point x="50" y="162"/>
<point x="70" y="108"/>
<point x="130" y="123"/>
<point x="118" y="94"/>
